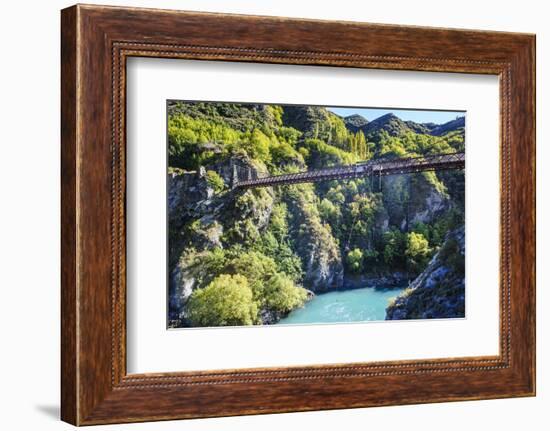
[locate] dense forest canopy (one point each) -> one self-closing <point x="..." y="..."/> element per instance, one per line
<point x="262" y="248"/>
<point x="202" y="133"/>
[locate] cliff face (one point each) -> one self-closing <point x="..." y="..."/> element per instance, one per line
<point x="438" y="292"/>
<point x="202" y="220"/>
<point x="314" y="241"/>
<point x="413" y="198"/>
<point x="317" y="236"/>
<point x="190" y="201"/>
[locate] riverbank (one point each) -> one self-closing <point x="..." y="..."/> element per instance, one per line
<point x="393" y="279"/>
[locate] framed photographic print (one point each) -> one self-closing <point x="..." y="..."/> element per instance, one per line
<point x="259" y="216"/>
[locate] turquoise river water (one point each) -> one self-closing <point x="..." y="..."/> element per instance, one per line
<point x="357" y="305"/>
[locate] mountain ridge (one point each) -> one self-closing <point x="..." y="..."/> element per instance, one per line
<point x="395" y="126"/>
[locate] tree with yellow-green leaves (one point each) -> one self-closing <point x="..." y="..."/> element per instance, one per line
<point x="417" y="251"/>
<point x="357" y="144"/>
<point x="226" y="301"/>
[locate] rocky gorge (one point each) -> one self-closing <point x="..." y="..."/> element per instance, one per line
<point x="239" y="257"/>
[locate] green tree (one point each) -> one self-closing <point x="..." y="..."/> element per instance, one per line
<point x="283" y="295"/>
<point x="339" y="134"/>
<point x="417" y="252"/>
<point x="336" y="195"/>
<point x="362" y="149"/>
<point x="354" y="260"/>
<point x="391" y="146"/>
<point x="394" y="247"/>
<point x="422" y="228"/>
<point x="282" y="152"/>
<point x="277" y="112"/>
<point x="329" y="212"/>
<point x="257" y="268"/>
<point x="277" y="222"/>
<point x="215" y="181"/>
<point x="205" y="265"/>
<point x="289" y="135"/>
<point x="226" y="301"/>
<point x="323" y="154"/>
<point x="257" y="145"/>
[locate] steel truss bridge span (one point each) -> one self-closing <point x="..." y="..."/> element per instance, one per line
<point x="408" y="165"/>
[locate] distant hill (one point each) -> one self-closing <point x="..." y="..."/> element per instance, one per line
<point x="355" y="122"/>
<point x="247" y="256"/>
<point x="424" y="128"/>
<point x="390" y="123"/>
<point x="450" y="126"/>
<point x="312" y="121"/>
<point x="395" y="126"/>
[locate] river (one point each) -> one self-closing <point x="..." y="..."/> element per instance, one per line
<point x="356" y="305"/>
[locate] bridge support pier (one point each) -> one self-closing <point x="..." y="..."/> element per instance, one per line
<point x="234" y="175"/>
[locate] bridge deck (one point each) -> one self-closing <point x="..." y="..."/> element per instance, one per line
<point x="377" y="167"/>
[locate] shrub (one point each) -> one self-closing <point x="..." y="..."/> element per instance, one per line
<point x="215" y="181"/>
<point x="322" y="154"/>
<point x="418" y="251"/>
<point x="256" y="268"/>
<point x="394" y="247"/>
<point x="288" y="262"/>
<point x="276" y="112"/>
<point x="257" y="145"/>
<point x="289" y="135"/>
<point x="204" y="266"/>
<point x="335" y="195"/>
<point x="422" y="228"/>
<point x="277" y="222"/>
<point x="226" y="301"/>
<point x="185" y="133"/>
<point x="282" y="152"/>
<point x="275" y="243"/>
<point x="329" y="212"/>
<point x="355" y="260"/>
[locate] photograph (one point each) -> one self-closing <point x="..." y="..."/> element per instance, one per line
<point x="289" y="214"/>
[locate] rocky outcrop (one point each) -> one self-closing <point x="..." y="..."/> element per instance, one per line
<point x="199" y="219"/>
<point x="433" y="204"/>
<point x="323" y="264"/>
<point x="185" y="191"/>
<point x="192" y="198"/>
<point x="414" y="198"/>
<point x="182" y="283"/>
<point x="438" y="292"/>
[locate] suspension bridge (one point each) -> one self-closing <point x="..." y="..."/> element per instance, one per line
<point x="246" y="179"/>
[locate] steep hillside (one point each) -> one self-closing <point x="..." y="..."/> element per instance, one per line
<point x="394" y="126"/>
<point x="438" y="292"/>
<point x="453" y="125"/>
<point x="271" y="249"/>
<point x="389" y="123"/>
<point x="355" y="122"/>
